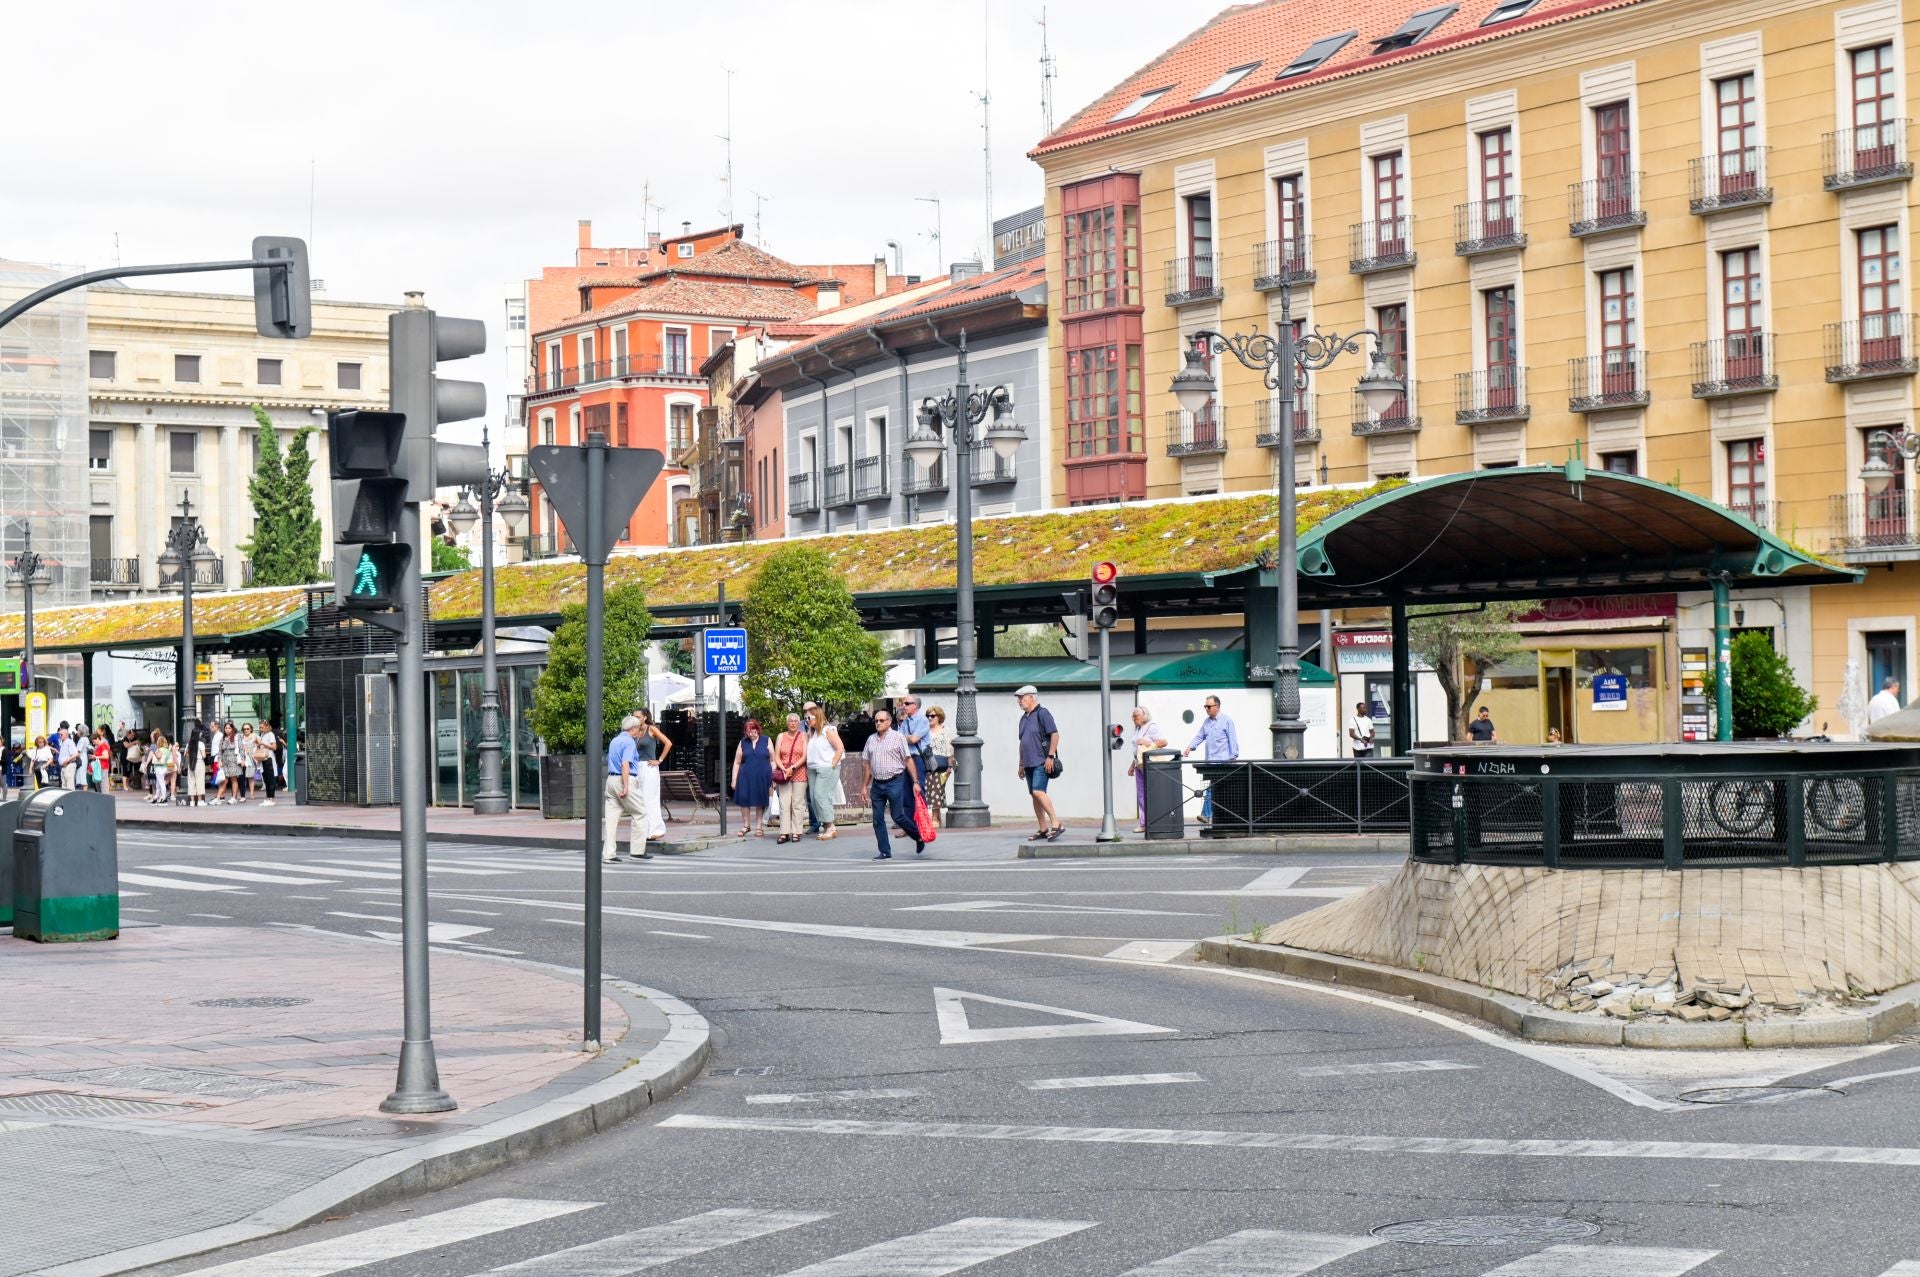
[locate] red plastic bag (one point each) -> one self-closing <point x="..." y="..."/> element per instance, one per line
<point x="923" y="822"/>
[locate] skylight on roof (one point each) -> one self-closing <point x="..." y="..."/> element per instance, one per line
<point x="1417" y="28"/>
<point x="1144" y="101"/>
<point x="1316" y="53"/>
<point x="1508" y="11"/>
<point x="1226" y="81"/>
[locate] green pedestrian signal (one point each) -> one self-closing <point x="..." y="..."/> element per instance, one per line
<point x="368" y="576"/>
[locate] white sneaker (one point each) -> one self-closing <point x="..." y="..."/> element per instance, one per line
<point x="268" y="802"/>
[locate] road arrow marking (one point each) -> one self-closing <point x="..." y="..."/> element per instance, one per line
<point x="949" y="1007"/>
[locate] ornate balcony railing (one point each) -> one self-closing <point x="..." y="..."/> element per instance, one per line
<point x="1758" y="512"/>
<point x="1866" y="154"/>
<point x="1731" y="179"/>
<point x="990" y="469"/>
<point x="206" y="576"/>
<point x="915" y="482"/>
<point x="1738" y="365"/>
<point x="1400" y="418"/>
<point x="548" y="381"/>
<point x="1196" y="434"/>
<point x="839" y="485"/>
<point x="870" y="479"/>
<point x="1489" y="226"/>
<point x="1381" y="245"/>
<point x="1864" y="521"/>
<point x="1613" y="379"/>
<point x="1279" y="262"/>
<point x="803" y="494"/>
<point x="1876" y="346"/>
<point x="1193" y="279"/>
<point x="115" y="573"/>
<point x="1491" y="394"/>
<point x="1266" y="421"/>
<point x="1604" y="204"/>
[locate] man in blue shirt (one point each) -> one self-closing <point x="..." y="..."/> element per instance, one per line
<point x="1039" y="760"/>
<point x="623" y="792"/>
<point x="918" y="730"/>
<point x="1222" y="745"/>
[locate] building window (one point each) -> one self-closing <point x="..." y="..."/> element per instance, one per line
<point x="1103" y="400"/>
<point x="1290" y="198"/>
<point x="1502" y="348"/>
<point x="347" y="376"/>
<point x="620" y="426"/>
<point x="546" y="429"/>
<point x="1496" y="183"/>
<point x="516" y="316"/>
<point x="186" y="368"/>
<point x="1613" y="159"/>
<point x="183" y="451"/>
<point x="1619" y="314"/>
<point x="1200" y="243"/>
<point x="718" y="339"/>
<point x="1391" y="323"/>
<point x="553" y="365"/>
<point x="679" y="426"/>
<point x="675" y="340"/>
<point x="686" y="250"/>
<point x="1737" y="125"/>
<point x="1316" y="53"/>
<point x="1226" y="80"/>
<point x="99" y="450"/>
<point x="1886" y="512"/>
<point x="1882" y="294"/>
<point x="1740" y="312"/>
<point x="100" y="542"/>
<point x="1507" y="11"/>
<point x="1620" y="462"/>
<point x="1747" y="478"/>
<point x="587" y="371"/>
<point x="100" y="365"/>
<point x="1874" y="107"/>
<point x="1390" y="203"/>
<point x="267" y="372"/>
<point x="1100" y="238"/>
<point x="1141" y="103"/>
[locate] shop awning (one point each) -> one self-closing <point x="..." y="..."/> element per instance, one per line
<point x="243" y="621"/>
<point x="1206" y="670"/>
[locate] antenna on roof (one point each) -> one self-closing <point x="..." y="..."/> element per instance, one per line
<point x="986" y="117"/>
<point x="758" y="200"/>
<point x="938" y="246"/>
<point x="648" y="206"/>
<point x="1047" y="73"/>
<point x="727" y="137"/>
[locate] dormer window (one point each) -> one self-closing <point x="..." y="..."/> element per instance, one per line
<point x="1316" y="53"/>
<point x="1507" y="12"/>
<point x="686" y="250"/>
<point x="1142" y="102"/>
<point x="1416" y="28"/>
<point x="1226" y="81"/>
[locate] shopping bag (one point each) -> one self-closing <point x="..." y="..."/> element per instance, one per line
<point x="923" y="822"/>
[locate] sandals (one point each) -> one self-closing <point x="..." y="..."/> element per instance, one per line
<point x="1053" y="835"/>
<point x="826" y="835"/>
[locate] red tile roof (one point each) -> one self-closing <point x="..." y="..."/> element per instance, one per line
<point x="1275" y="32"/>
<point x="1000" y="283"/>
<point x="698" y="297"/>
<point x="735" y="258"/>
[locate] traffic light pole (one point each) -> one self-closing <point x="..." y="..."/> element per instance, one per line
<point x="1108" y="833"/>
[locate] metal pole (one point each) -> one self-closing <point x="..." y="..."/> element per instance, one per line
<point x="1402" y="683"/>
<point x="969" y="809"/>
<point x="30" y="561"/>
<point x="490" y="799"/>
<point x="720" y="769"/>
<point x="1107" y="831"/>
<point x="596" y="446"/>
<point x="188" y="672"/>
<point x="290" y="725"/>
<point x="59" y="286"/>
<point x="1289" y="733"/>
<point x="417" y="1083"/>
<point x="1723" y="661"/>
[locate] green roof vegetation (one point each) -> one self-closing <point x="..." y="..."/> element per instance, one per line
<point x="1220" y="668"/>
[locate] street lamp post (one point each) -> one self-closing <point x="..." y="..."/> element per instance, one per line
<point x="959" y="414"/>
<point x="187" y="552"/>
<point x="502" y="490"/>
<point x="1284" y="362"/>
<point x="29" y="573"/>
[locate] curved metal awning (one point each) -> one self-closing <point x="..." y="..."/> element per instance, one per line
<point x="1541" y="531"/>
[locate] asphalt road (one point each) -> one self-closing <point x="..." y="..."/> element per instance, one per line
<point x="971" y="1062"/>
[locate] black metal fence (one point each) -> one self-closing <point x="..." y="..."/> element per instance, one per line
<point x="1351" y="796"/>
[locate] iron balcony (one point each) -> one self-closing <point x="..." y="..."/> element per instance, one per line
<point x="1489" y="226"/>
<point x="1732" y="179"/>
<point x="1604" y="204"/>
<point x="1738" y="365"/>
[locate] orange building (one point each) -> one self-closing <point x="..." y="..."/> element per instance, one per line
<point x="620" y="335"/>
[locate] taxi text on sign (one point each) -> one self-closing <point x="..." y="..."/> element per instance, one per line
<point x="724" y="651"/>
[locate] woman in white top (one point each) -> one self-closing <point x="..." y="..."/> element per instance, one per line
<point x="824" y="753"/>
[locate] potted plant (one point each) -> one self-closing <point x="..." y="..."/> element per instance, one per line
<point x="569" y="780"/>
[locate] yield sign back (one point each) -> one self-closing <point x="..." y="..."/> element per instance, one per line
<point x="949" y="1007"/>
<point x="562" y="472"/>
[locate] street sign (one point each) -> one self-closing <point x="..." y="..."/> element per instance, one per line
<point x="561" y="471"/>
<point x="36" y="715"/>
<point x="1609" y="691"/>
<point x="724" y="651"/>
<point x="9" y="676"/>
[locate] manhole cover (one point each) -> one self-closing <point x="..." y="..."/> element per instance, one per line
<point x="1487" y="1230"/>
<point x="370" y="1129"/>
<point x="761" y="1072"/>
<point x="71" y="1104"/>
<point x="253" y="1003"/>
<point x="1755" y="1094"/>
<point x="137" y="1077"/>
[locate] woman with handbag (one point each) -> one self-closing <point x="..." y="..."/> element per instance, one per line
<point x="752" y="778"/>
<point x="824" y="753"/>
<point x="790" y="780"/>
<point x="266" y="756"/>
<point x="939" y="759"/>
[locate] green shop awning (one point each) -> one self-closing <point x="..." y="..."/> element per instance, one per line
<point x="1206" y="670"/>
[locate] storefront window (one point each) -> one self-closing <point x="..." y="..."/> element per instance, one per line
<point x="526" y="746"/>
<point x="446" y="735"/>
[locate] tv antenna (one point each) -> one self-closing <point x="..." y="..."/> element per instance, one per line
<point x="758" y="201"/>
<point x="986" y="118"/>
<point x="938" y="246"/>
<point x="1048" y="71"/>
<point x="727" y="137"/>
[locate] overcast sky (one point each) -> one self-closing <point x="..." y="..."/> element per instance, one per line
<point x="452" y="146"/>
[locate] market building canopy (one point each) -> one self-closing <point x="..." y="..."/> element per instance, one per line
<point x="245" y="620"/>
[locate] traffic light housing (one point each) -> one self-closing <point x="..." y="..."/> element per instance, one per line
<point x="418" y="339"/>
<point x="376" y="576"/>
<point x="370" y="553"/>
<point x="1103" y="599"/>
<point x="282" y="295"/>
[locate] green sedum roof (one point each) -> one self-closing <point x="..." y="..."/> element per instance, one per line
<point x="1155" y="669"/>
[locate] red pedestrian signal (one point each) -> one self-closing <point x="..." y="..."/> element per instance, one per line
<point x="1104" y="600"/>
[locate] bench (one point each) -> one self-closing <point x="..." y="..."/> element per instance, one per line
<point x="684" y="786"/>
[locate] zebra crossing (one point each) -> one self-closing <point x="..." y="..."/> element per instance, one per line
<point x="946" y="1247"/>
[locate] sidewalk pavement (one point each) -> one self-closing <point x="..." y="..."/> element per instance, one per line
<point x="185" y="1088"/>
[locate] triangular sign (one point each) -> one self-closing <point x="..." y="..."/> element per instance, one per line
<point x="949" y="1007"/>
<point x="562" y="474"/>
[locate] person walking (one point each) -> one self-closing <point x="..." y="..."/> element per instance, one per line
<point x="622" y="793"/>
<point x="653" y="746"/>
<point x="246" y="761"/>
<point x="227" y="750"/>
<point x="916" y="727"/>
<point x="790" y="778"/>
<point x="1481" y="730"/>
<point x="1360" y="731"/>
<point x="752" y="778"/>
<point x="939" y="760"/>
<point x="1885" y="701"/>
<point x="198" y="746"/>
<point x="1039" y="760"/>
<point x="893" y="771"/>
<point x="102" y="761"/>
<point x="266" y="756"/>
<point x="136" y="761"/>
<point x="164" y="765"/>
<point x="1222" y="745"/>
<point x="1147" y="735"/>
<point x="824" y="753"/>
<point x="66" y="755"/>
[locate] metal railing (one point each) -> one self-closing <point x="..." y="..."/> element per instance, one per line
<point x="1351" y="795"/>
<point x="1489" y="226"/>
<point x="1877" y="346"/>
<point x="1866" y="154"/>
<point x="205" y="575"/>
<point x="1760" y="512"/>
<point x="803" y="494"/>
<point x="1604" y="204"/>
<point x="1283" y="261"/>
<point x="1266" y="421"/>
<point x="1400" y="418"/>
<point x="990" y="469"/>
<point x="870" y="479"/>
<point x="1196" y="434"/>
<point x="1865" y="521"/>
<point x="1192" y="279"/>
<point x="839" y="485"/>
<point x="1731" y="179"/>
<point x="1738" y="365"/>
<point x="1614" y="379"/>
<point x="547" y="380"/>
<point x="1491" y="394"/>
<point x="1381" y="245"/>
<point x="115" y="572"/>
<point x="914" y="481"/>
<point x="542" y="545"/>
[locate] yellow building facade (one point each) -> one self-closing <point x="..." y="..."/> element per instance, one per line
<point x="1669" y="234"/>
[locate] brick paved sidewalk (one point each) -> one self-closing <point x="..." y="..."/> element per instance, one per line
<point x="185" y="1079"/>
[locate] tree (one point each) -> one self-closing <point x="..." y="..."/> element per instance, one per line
<point x="1463" y="644"/>
<point x="448" y="557"/>
<point x="1767" y="699"/>
<point x="804" y="640"/>
<point x="559" y="713"/>
<point x="1030" y="641"/>
<point x="679" y="656"/>
<point x="285" y="546"/>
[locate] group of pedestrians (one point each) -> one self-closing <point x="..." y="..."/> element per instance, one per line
<point x="632" y="786"/>
<point x="237" y="760"/>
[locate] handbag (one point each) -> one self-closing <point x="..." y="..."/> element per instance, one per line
<point x="923" y="822"/>
<point x="940" y="763"/>
<point x="1059" y="767"/>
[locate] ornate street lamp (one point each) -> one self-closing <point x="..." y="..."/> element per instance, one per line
<point x="1878" y="473"/>
<point x="959" y="415"/>
<point x="29" y="573"/>
<point x="186" y="558"/>
<point x="1284" y="361"/>
<point x="490" y="798"/>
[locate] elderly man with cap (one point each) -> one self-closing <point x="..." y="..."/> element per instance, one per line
<point x="623" y="791"/>
<point x="1039" y="760"/>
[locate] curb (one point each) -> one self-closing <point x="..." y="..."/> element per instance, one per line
<point x="1273" y="845"/>
<point x="1527" y="1019"/>
<point x="448" y="1159"/>
<point x="542" y="841"/>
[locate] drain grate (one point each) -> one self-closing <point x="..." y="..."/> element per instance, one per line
<point x="251" y="1004"/>
<point x="371" y="1129"/>
<point x="1487" y="1230"/>
<point x="72" y="1104"/>
<point x="1755" y="1094"/>
<point x="138" y="1077"/>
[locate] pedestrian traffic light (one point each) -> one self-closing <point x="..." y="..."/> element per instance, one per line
<point x="374" y="582"/>
<point x="1116" y="736"/>
<point x="1104" y="598"/>
<point x="370" y="553"/>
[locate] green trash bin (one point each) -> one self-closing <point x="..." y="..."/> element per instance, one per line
<point x="9" y="819"/>
<point x="66" y="868"/>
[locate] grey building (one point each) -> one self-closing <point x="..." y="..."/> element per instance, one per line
<point x="849" y="399"/>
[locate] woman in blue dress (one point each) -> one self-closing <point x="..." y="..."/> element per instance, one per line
<point x="753" y="779"/>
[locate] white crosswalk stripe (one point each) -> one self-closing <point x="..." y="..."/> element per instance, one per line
<point x="329" y="870"/>
<point x="1384" y="1066"/>
<point x="177" y="884"/>
<point x="239" y="875"/>
<point x="661" y="1244"/>
<point x="1605" y="1261"/>
<point x="818" y="1097"/>
<point x="394" y="1241"/>
<point x="1257" y="1252"/>
<point x="946" y="1249"/>
<point x="434" y="866"/>
<point x="1905" y="1268"/>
